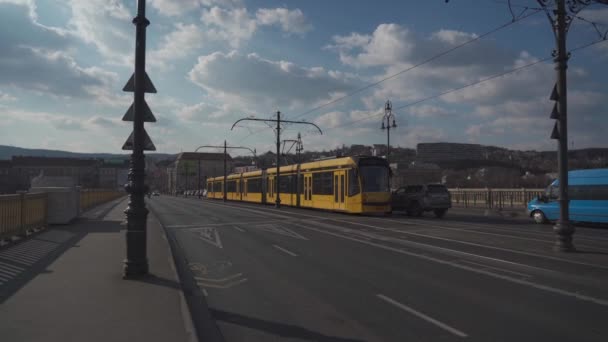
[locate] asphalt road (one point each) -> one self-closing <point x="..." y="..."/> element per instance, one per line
<point x="304" y="275"/>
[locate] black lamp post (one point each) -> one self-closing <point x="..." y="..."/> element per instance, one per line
<point x="388" y="115"/>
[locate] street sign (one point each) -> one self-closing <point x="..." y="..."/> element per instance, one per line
<point x="148" y="145"/>
<point x="148" y="116"/>
<point x="148" y="86"/>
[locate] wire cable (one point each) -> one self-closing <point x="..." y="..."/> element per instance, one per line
<point x="376" y="114"/>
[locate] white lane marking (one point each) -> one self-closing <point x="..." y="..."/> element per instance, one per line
<point x="239" y="229"/>
<point x="448" y="251"/>
<point x="457" y="241"/>
<point x="471" y="228"/>
<point x="223" y="224"/>
<point x="284" y="250"/>
<point x="9" y="266"/>
<point x="496" y="268"/>
<point x="579" y="296"/>
<point x="10" y="272"/>
<point x="476" y="244"/>
<point x="255" y="211"/>
<point x="218" y="286"/>
<point x="279" y="229"/>
<point x="205" y="292"/>
<point x="421" y="315"/>
<point x="219" y="280"/>
<point x="211" y="236"/>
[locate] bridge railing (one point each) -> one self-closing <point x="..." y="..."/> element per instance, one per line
<point x="22" y="212"/>
<point x="493" y="198"/>
<point x="92" y="197"/>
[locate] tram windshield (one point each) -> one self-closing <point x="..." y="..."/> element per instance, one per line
<point x="374" y="178"/>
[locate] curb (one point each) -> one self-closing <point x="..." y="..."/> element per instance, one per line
<point x="187" y="317"/>
<point x="198" y="322"/>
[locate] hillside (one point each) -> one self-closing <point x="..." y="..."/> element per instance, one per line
<point x="6" y="152"/>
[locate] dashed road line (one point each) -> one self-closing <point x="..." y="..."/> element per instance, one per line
<point x="496" y="268"/>
<point x="285" y="250"/>
<point x="239" y="229"/>
<point x="422" y="316"/>
<point x="539" y="286"/>
<point x="476" y="244"/>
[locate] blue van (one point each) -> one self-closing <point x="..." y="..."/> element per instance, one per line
<point x="588" y="194"/>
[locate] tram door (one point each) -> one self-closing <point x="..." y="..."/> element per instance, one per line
<point x="339" y="189"/>
<point x="307" y="190"/>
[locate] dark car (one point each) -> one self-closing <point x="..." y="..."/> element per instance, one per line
<point x="416" y="199"/>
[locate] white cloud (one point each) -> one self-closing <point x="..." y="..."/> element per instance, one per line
<point x="40" y="60"/>
<point x="200" y="112"/>
<point x="4" y="97"/>
<point x="184" y="40"/>
<point x="263" y="83"/>
<point x="290" y="21"/>
<point x="331" y="119"/>
<point x="236" y="25"/>
<point x="179" y="7"/>
<point x="231" y="25"/>
<point x="392" y="44"/>
<point x="106" y="24"/>
<point x="428" y="111"/>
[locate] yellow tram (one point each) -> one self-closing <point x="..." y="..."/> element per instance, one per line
<point x="348" y="184"/>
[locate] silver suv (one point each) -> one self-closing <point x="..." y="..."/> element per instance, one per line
<point x="416" y="199"/>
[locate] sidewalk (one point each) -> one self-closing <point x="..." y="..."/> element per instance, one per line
<point x="65" y="284"/>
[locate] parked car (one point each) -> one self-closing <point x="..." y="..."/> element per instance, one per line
<point x="155" y="193"/>
<point x="588" y="195"/>
<point x="416" y="199"/>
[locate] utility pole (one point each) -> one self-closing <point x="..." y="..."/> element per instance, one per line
<point x="299" y="148"/>
<point x="388" y="115"/>
<point x="225" y="173"/>
<point x="560" y="19"/>
<point x="278" y="182"/>
<point x="563" y="227"/>
<point x="298" y="145"/>
<point x="278" y="121"/>
<point x="136" y="262"/>
<point x="225" y="147"/>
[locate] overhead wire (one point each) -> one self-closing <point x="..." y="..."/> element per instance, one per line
<point x="376" y="114"/>
<point x="426" y="61"/>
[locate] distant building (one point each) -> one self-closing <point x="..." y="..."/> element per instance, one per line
<point x="184" y="173"/>
<point x="112" y="173"/>
<point x="248" y="168"/>
<point x="8" y="181"/>
<point x="360" y="150"/>
<point x="449" y="151"/>
<point x="379" y="150"/>
<point x="84" y="172"/>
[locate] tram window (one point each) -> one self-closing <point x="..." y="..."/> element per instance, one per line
<point x="323" y="183"/>
<point x="285" y="182"/>
<point x="353" y="183"/>
<point x="231" y="186"/>
<point x="253" y="185"/>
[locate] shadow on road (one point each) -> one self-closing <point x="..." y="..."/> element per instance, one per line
<point x="283" y="330"/>
<point x="31" y="256"/>
<point x="578" y="251"/>
<point x="155" y="280"/>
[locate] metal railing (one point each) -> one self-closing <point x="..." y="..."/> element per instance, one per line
<point x="22" y="212"/>
<point x="493" y="198"/>
<point x="92" y="197"/>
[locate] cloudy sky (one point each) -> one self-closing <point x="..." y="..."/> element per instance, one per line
<point x="63" y="64"/>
